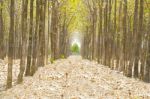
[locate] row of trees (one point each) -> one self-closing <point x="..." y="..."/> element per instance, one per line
<point x="118" y="35"/>
<point x="31" y="30"/>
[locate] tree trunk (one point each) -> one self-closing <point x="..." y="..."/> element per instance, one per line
<point x="24" y="40"/>
<point x="135" y="32"/>
<point x="29" y="57"/>
<point x="35" y="42"/>
<point x="110" y="35"/>
<point x="115" y="35"/>
<point x="42" y="35"/>
<point x="138" y="40"/>
<point x="2" y="54"/>
<point x="11" y="43"/>
<point x="100" y="31"/>
<point x="146" y="77"/>
<point x="105" y="33"/>
<point x="140" y="34"/>
<point x="54" y="32"/>
<point x="124" y="36"/>
<point x="119" y="48"/>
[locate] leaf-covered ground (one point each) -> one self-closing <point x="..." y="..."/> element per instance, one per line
<point x="75" y="78"/>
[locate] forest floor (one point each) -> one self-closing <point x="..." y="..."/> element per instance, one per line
<point x="74" y="78"/>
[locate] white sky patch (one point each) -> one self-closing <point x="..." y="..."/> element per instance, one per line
<point x="76" y="38"/>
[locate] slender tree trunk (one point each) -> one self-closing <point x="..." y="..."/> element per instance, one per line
<point x="139" y="40"/>
<point x="2" y="55"/>
<point x="93" y="32"/>
<point x="54" y="31"/>
<point x="17" y="36"/>
<point x="135" y="32"/>
<point x="105" y="33"/>
<point x="24" y="40"/>
<point x="35" y="41"/>
<point x="30" y="40"/>
<point x="129" y="51"/>
<point x="42" y="35"/>
<point x="110" y="35"/>
<point x="119" y="49"/>
<point x="115" y="35"/>
<point x="100" y="31"/>
<point x="146" y="77"/>
<point x="47" y="35"/>
<point x="62" y="36"/>
<point x="44" y="31"/>
<point x="11" y="43"/>
<point x="124" y="35"/>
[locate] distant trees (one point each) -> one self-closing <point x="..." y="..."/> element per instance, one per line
<point x="121" y="36"/>
<point x="64" y="33"/>
<point x="75" y="49"/>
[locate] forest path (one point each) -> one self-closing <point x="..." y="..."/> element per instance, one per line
<point x="76" y="78"/>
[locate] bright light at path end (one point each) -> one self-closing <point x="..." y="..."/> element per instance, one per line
<point x="75" y="41"/>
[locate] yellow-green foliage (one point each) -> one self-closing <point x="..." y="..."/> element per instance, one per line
<point x="74" y="10"/>
<point x="75" y="48"/>
<point x="52" y="60"/>
<point x="62" y="57"/>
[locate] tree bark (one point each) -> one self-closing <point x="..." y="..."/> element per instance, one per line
<point x="54" y="32"/>
<point x="11" y="45"/>
<point x="135" y="32"/>
<point x="34" y="66"/>
<point x="146" y="77"/>
<point x="100" y="32"/>
<point x="2" y="55"/>
<point x="140" y="34"/>
<point x="29" y="57"/>
<point x="24" y="41"/>
<point x="124" y="35"/>
<point x="42" y="35"/>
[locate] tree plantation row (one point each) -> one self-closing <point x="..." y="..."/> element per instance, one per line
<point x="116" y="33"/>
<point x="30" y="30"/>
<point x="118" y="36"/>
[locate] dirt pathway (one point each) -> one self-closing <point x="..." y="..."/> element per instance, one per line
<point x="75" y="78"/>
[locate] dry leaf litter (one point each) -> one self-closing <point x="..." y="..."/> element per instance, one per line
<point x="73" y="78"/>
